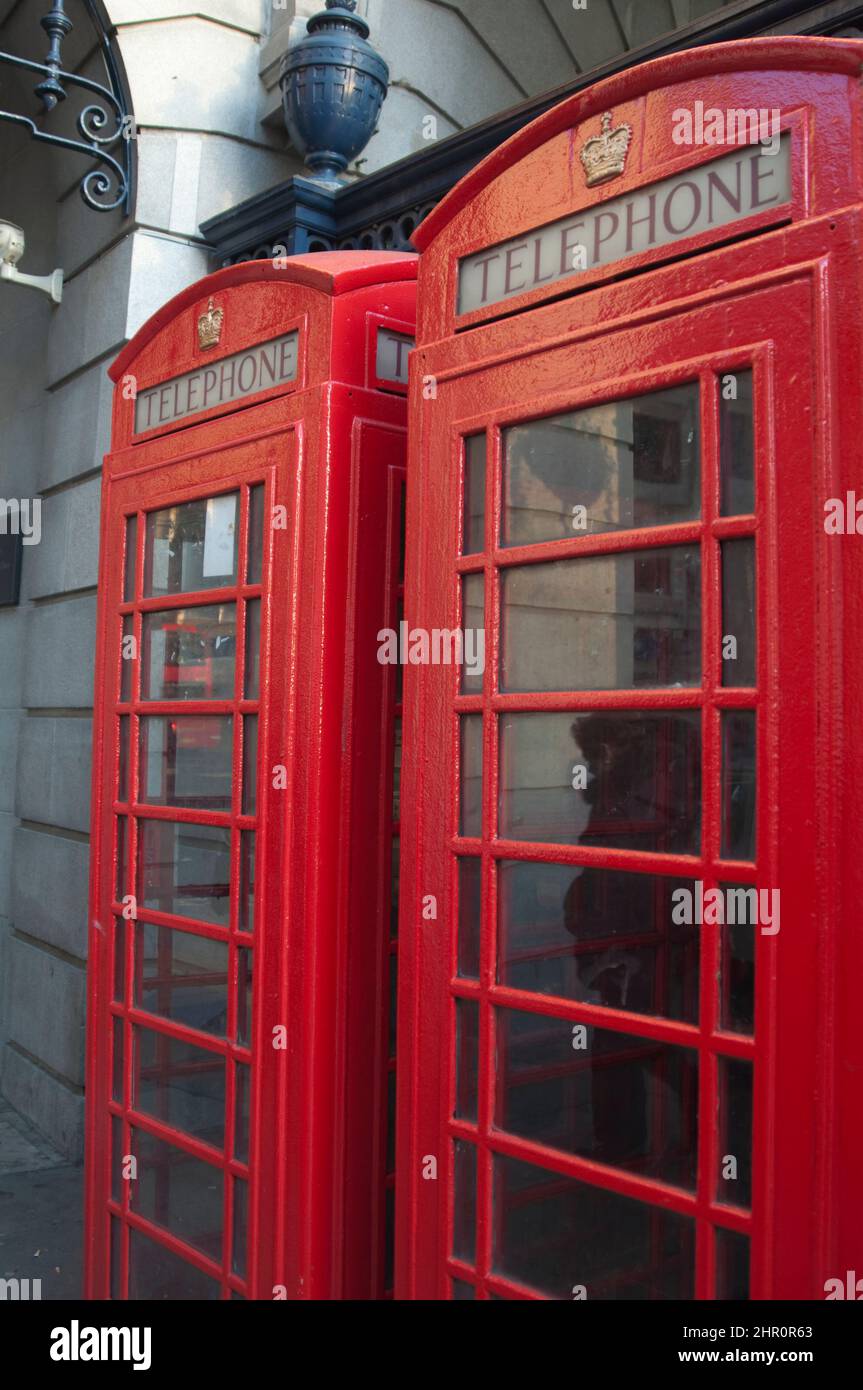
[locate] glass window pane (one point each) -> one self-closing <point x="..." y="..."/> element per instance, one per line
<point x="393" y="1016"/>
<point x="736" y="444"/>
<point x="615" y="1098"/>
<point x="391" y="1122"/>
<point x="119" y="1173"/>
<point x="256" y="534"/>
<point x="119" y="960"/>
<point x="189" y="653"/>
<point x="620" y="778"/>
<point x="738" y="784"/>
<point x="122" y="858"/>
<point x="185" y="869"/>
<point x="178" y="1192"/>
<point x="181" y="1085"/>
<point x="474" y="494"/>
<point x="397" y="769"/>
<point x="732" y="1265"/>
<point x="394" y="888"/>
<point x="123" y="759"/>
<point x="471" y="775"/>
<point x="738" y="612"/>
<point x="464" y="1202"/>
<point x="191" y="546"/>
<point x="630" y="463"/>
<point x="462" y="1292"/>
<point x="250" y="764"/>
<point x="734" y="1186"/>
<point x="116" y="1259"/>
<point x="469" y="911"/>
<point x="242" y="1100"/>
<point x="183" y="977"/>
<point x="158" y="1276"/>
<point x="127" y="658"/>
<point x="245" y="975"/>
<point x="238" y="1245"/>
<point x="737" y="975"/>
<point x="118" y="1055"/>
<point x="556" y="1235"/>
<point x="186" y="760"/>
<point x="610" y="622"/>
<point x="598" y="936"/>
<point x="467" y="1059"/>
<point x="247" y="881"/>
<point x="473" y="630"/>
<point x="253" y="649"/>
<point x="131" y="558"/>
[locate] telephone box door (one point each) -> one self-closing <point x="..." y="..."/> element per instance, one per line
<point x="624" y="1076"/>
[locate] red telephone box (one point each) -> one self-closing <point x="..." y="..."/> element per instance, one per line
<point x="635" y="439"/>
<point x="239" y="1066"/>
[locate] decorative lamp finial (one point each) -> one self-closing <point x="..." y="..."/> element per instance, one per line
<point x="333" y="86"/>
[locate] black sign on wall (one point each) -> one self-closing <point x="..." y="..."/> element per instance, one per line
<point x="10" y="569"/>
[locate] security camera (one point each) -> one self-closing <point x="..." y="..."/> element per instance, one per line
<point x="12" y="244"/>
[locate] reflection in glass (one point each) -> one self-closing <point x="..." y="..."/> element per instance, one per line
<point x="474" y="494"/>
<point x="734" y="1185"/>
<point x="597" y="936"/>
<point x="737" y="971"/>
<point x="473" y="628"/>
<point x="253" y="649"/>
<point x="552" y="1233"/>
<point x="471" y="775"/>
<point x="732" y="1265"/>
<point x="626" y="1101"/>
<point x="191" y="546"/>
<point x="738" y="784"/>
<point x="131" y="558"/>
<point x="461" y="1291"/>
<point x="738" y="611"/>
<point x="178" y="1192"/>
<point x="608" y="622"/>
<point x="181" y="1085"/>
<point x="189" y="653"/>
<point x="157" y="1276"/>
<point x="186" y="760"/>
<point x="256" y="534"/>
<point x="469" y="912"/>
<point x="250" y="764"/>
<point x="626" y="779"/>
<point x="183" y="977"/>
<point x="467" y="1059"/>
<point x="464" y="1202"/>
<point x="630" y="463"/>
<point x="185" y="869"/>
<point x="736" y="444"/>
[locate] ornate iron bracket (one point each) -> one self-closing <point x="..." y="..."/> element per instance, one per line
<point x="108" y="186"/>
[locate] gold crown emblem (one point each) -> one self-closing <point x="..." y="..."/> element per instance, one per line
<point x="210" y="326"/>
<point x="604" y="156"/>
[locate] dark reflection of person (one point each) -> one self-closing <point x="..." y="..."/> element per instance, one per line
<point x="637" y="774"/>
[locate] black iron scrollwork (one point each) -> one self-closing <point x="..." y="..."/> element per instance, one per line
<point x="105" y="125"/>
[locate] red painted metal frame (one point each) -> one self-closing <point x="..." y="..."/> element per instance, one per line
<point x="327" y="450"/>
<point x="787" y="304"/>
